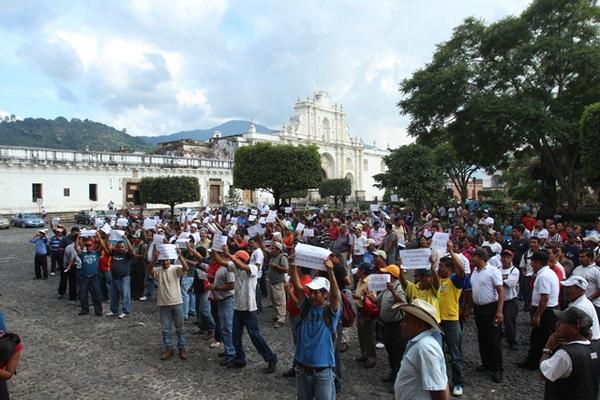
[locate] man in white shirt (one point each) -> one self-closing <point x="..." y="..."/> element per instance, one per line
<point x="590" y="271"/>
<point x="575" y="288"/>
<point x="510" y="285"/>
<point x="377" y="234"/>
<point x="422" y="373"/>
<point x="492" y="243"/>
<point x="360" y="245"/>
<point x="544" y="299"/>
<point x="244" y="315"/>
<point x="540" y="232"/>
<point x="488" y="299"/>
<point x="527" y="270"/>
<point x="486" y="219"/>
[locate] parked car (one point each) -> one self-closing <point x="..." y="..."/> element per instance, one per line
<point x="83" y="217"/>
<point x="4" y="222"/>
<point x="28" y="220"/>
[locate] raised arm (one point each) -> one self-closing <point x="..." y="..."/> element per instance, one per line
<point x="295" y="280"/>
<point x="459" y="266"/>
<point x="102" y="243"/>
<point x="183" y="261"/>
<point x="435" y="282"/>
<point x="334" y="290"/>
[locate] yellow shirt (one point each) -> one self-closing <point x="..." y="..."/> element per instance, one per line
<point x="429" y="295"/>
<point x="449" y="295"/>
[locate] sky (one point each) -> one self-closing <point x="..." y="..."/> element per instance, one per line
<point x="155" y="67"/>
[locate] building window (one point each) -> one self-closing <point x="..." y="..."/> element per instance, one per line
<point x="93" y="192"/>
<point x="67" y="192"/>
<point x="366" y="165"/>
<point x="36" y="192"/>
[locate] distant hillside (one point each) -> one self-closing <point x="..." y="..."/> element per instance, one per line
<point x="61" y="133"/>
<point x="228" y="128"/>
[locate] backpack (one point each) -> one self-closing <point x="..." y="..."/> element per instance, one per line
<point x="348" y="314"/>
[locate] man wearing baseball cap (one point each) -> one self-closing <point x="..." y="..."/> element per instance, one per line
<point x="570" y="363"/>
<point x="422" y="374"/>
<point x="575" y="288"/>
<point x="315" y="356"/>
<point x="510" y="286"/>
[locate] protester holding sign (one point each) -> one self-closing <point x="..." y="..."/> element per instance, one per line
<point x="169" y="300"/>
<point x="365" y="324"/>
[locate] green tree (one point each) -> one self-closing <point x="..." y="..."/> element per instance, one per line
<point x="413" y="174"/>
<point x="590" y="142"/>
<point x="456" y="170"/>
<point x="336" y="188"/>
<point x="169" y="190"/>
<point x="233" y="198"/>
<point x="277" y="168"/>
<point x="522" y="81"/>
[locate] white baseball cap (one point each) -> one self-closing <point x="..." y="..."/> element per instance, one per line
<point x="575" y="280"/>
<point x="319" y="283"/>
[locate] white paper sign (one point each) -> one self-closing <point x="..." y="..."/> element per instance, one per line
<point x="300" y="227"/>
<point x="374" y="207"/>
<point x="415" y="259"/>
<point x="309" y="232"/>
<point x="122" y="222"/>
<point x="394" y="198"/>
<point x="439" y="241"/>
<point x="354" y="270"/>
<point x="312" y="257"/>
<point x="262" y="220"/>
<point x="149" y="223"/>
<point x="254" y="212"/>
<point x="99" y="221"/>
<point x="272" y="213"/>
<point x="378" y="282"/>
<point x="184" y="235"/>
<point x="288" y="210"/>
<point x="255" y="230"/>
<point x="166" y="251"/>
<point x="55" y="221"/>
<point x="106" y="229"/>
<point x="232" y="231"/>
<point x="116" y="235"/>
<point x="218" y="242"/>
<point x="158" y="239"/>
<point x="87" y="233"/>
<point x="196" y="236"/>
<point x="270" y="219"/>
<point x="182" y="243"/>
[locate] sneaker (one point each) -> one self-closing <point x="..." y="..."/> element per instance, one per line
<point x="215" y="345"/>
<point x="123" y="315"/>
<point x="110" y="314"/>
<point x="143" y="298"/>
<point x="380" y="345"/>
<point x="457" y="390"/>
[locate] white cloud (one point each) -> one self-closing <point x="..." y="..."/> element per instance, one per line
<point x="155" y="66"/>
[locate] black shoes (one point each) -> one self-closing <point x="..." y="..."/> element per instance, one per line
<point x="234" y="364"/>
<point x="497" y="376"/>
<point x="272" y="366"/>
<point x="481" y="368"/>
<point x="83" y="312"/>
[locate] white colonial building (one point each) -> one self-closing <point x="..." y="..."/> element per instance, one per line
<point x="318" y="121"/>
<point x="66" y="180"/>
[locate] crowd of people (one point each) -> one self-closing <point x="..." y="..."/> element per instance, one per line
<point x="227" y="261"/>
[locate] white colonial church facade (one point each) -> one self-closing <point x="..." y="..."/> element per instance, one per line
<point x="67" y="180"/>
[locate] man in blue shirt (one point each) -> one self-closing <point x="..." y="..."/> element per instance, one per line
<point x="41" y="254"/>
<point x="315" y="356"/>
<point x="56" y="257"/>
<point x="89" y="274"/>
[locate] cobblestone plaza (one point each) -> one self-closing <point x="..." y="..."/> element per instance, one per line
<point x="67" y="356"/>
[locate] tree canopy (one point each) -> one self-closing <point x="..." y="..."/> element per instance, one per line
<point x="413" y="174"/>
<point x="169" y="190"/>
<point x="336" y="188"/>
<point x="590" y="142"/>
<point x="278" y="169"/>
<point x="521" y="81"/>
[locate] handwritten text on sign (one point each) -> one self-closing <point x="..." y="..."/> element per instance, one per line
<point x="415" y="259"/>
<point x="312" y="257"/>
<point x="440" y="241"/>
<point x="378" y="282"/>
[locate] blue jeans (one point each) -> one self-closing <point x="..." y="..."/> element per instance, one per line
<point x="225" y="310"/>
<point x="92" y="285"/>
<point x="203" y="313"/>
<point x="120" y="291"/>
<point x="3" y="326"/>
<point x="316" y="385"/>
<point x="189" y="300"/>
<point x="149" y="285"/>
<point x="248" y="319"/>
<point x="169" y="315"/>
<point x="105" y="283"/>
<point x="453" y="339"/>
